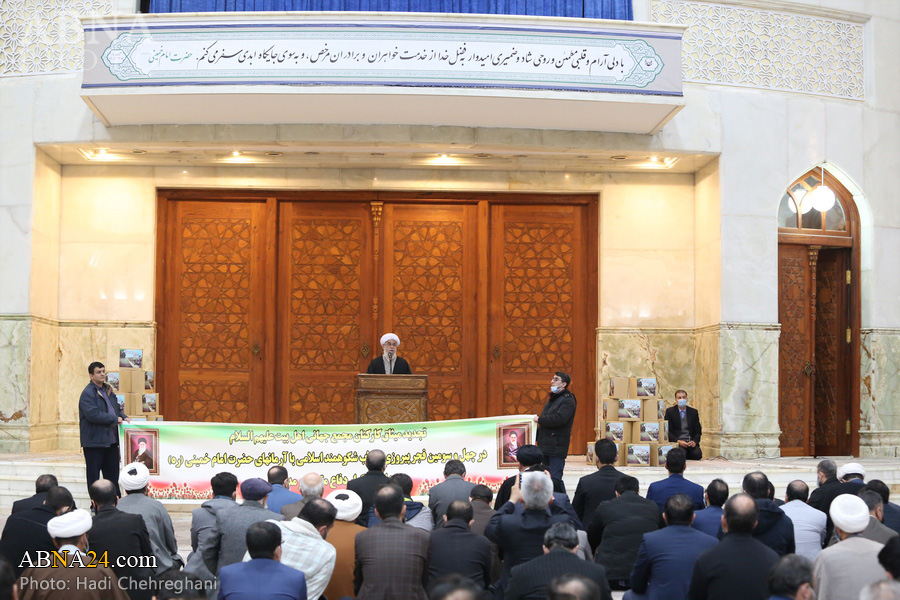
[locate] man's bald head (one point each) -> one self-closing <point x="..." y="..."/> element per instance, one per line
<point x="573" y="587"/>
<point x="740" y="514"/>
<point x="376" y="460"/>
<point x="103" y="493"/>
<point x="312" y="485"/>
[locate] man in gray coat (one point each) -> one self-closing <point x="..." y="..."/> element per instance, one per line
<point x="134" y="480"/>
<point x="203" y="525"/>
<point x="453" y="488"/>
<point x="230" y="541"/>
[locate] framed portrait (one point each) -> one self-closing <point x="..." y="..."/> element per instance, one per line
<point x="510" y="438"/>
<point x="142" y="445"/>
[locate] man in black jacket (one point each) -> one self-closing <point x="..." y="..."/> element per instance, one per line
<point x="120" y="534"/>
<point x="736" y="568"/>
<point x="774" y="528"/>
<point x="530" y="580"/>
<point x="41" y="485"/>
<point x="366" y="485"/>
<point x="600" y="486"/>
<point x="555" y="424"/>
<point x="617" y="529"/>
<point x="684" y="426"/>
<point x="26" y="531"/>
<point x="456" y="549"/>
<point x="99" y="416"/>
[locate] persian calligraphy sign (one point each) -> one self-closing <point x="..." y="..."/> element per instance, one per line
<point x="187" y="455"/>
<point x="583" y="56"/>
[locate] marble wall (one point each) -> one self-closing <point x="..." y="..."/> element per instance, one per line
<point x="879" y="422"/>
<point x="15" y="346"/>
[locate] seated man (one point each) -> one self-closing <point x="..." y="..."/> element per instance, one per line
<point x="280" y="495"/>
<point x="709" y="520"/>
<point x="454" y="487"/>
<point x="454" y="548"/>
<point x="599" y="486"/>
<point x="684" y="426"/>
<point x="774" y="528"/>
<point x="41" y="485"/>
<point x="675" y="483"/>
<point x="135" y="479"/>
<point x="792" y="578"/>
<point x="26" y="531"/>
<point x="416" y="514"/>
<point x="809" y="523"/>
<point x="263" y="577"/>
<point x="528" y="455"/>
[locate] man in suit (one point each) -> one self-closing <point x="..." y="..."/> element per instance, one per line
<point x="280" y="495"/>
<point x="684" y="426"/>
<point x="391" y="557"/>
<point x="366" y="484"/>
<point x="617" y="527"/>
<point x="843" y="570"/>
<point x="311" y="486"/>
<point x="829" y="489"/>
<point x="736" y="568"/>
<point x="520" y="536"/>
<point x="99" y="416"/>
<point x="26" y="531"/>
<point x="203" y="525"/>
<point x="120" y="534"/>
<point x="600" y="486"/>
<point x="555" y="424"/>
<point x="480" y="498"/>
<point x="889" y="558"/>
<point x="41" y="485"/>
<point x="135" y="479"/>
<point x="529" y="581"/>
<point x="666" y="555"/>
<point x="891" y="511"/>
<point x="809" y="523"/>
<point x="528" y="456"/>
<point x="454" y="487"/>
<point x="389" y="363"/>
<point x="709" y="520"/>
<point x="792" y="578"/>
<point x="675" y="483"/>
<point x="232" y="523"/>
<point x="454" y="548"/>
<point x="263" y="577"/>
<point x="875" y="530"/>
<point x="773" y="528"/>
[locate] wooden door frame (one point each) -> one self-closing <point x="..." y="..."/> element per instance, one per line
<point x="849" y="240"/>
<point x="483" y="200"/>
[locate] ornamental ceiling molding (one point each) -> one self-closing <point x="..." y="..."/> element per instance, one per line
<point x="749" y="47"/>
<point x="39" y="37"/>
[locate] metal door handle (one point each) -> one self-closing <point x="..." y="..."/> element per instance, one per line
<point x="497" y="351"/>
<point x="255" y="350"/>
<point x="808" y="369"/>
<point x="365" y="349"/>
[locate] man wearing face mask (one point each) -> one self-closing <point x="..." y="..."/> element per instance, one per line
<point x="684" y="426"/>
<point x="389" y="363"/>
<point x="555" y="424"/>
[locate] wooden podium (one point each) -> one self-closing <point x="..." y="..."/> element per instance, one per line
<point x="391" y="398"/>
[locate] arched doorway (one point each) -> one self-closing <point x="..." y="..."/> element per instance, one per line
<point x="818" y="308"/>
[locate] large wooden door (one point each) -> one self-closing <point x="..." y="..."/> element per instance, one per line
<point x="538" y="310"/>
<point x="832" y="377"/>
<point x="325" y="318"/>
<point x="212" y="343"/>
<point x="429" y="277"/>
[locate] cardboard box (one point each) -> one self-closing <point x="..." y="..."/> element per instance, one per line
<point x="646" y="387"/>
<point x="622" y="387"/>
<point x="624" y="410"/>
<point x="663" y="432"/>
<point x="133" y="405"/>
<point x="149" y="404"/>
<point x="661" y="451"/>
<point x="647" y="431"/>
<point x="602" y="410"/>
<point x="639" y="455"/>
<point x="135" y="382"/>
<point x="112" y="378"/>
<point x="589" y="456"/>
<point x="149" y="381"/>
<point x="618" y="431"/>
<point x="121" y="398"/>
<point x="622" y="451"/>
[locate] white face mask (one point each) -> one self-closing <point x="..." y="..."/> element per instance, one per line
<point x="555" y="388"/>
<point x="682" y="402"/>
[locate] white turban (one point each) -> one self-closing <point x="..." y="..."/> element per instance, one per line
<point x="135" y="476"/>
<point x="70" y="525"/>
<point x="348" y="504"/>
<point x="849" y="513"/>
<point x="851" y="467"/>
<point x="389" y="336"/>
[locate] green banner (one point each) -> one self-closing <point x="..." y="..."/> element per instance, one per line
<point x="182" y="457"/>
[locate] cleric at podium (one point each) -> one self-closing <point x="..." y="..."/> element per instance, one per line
<point x="389" y="363"/>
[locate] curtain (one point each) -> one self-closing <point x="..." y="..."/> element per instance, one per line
<point x="590" y="9"/>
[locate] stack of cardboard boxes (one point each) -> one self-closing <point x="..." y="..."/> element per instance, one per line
<point x="633" y="417"/>
<point x="135" y="387"/>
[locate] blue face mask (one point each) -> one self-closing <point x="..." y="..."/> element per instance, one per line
<point x="682" y="402"/>
<point x="554" y="388"/>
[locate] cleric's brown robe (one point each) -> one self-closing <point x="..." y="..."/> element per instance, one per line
<point x="70" y="583"/>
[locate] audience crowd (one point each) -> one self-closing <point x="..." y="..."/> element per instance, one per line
<point x="375" y="541"/>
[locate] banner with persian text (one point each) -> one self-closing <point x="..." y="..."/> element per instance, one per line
<point x="182" y="457"/>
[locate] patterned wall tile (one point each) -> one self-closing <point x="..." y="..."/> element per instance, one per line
<point x="766" y="49"/>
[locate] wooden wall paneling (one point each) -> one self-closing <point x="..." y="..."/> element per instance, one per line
<point x="482" y="404"/>
<point x="795" y="350"/>
<point x="324" y="308"/>
<point x="430" y="272"/>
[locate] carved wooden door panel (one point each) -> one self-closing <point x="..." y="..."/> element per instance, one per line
<point x="538" y="311"/>
<point x="429" y="276"/>
<point x="325" y="318"/>
<point x="796" y="359"/>
<point x="832" y="401"/>
<point x="214" y="339"/>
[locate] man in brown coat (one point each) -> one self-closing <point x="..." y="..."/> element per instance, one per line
<point x="343" y="536"/>
<point x="391" y="557"/>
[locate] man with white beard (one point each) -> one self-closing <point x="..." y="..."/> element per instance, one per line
<point x="389" y="363"/>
